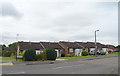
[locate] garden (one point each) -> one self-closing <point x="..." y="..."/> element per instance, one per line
<point x="30" y="55"/>
<point x="48" y="54"/>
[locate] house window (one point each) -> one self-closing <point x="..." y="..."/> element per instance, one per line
<point x="37" y="51"/>
<point x="104" y="49"/>
<point x="70" y="50"/>
<point x="41" y="51"/>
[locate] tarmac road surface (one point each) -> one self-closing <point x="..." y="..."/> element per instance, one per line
<point x="108" y="65"/>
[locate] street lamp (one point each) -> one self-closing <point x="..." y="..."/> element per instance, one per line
<point x="17" y="45"/>
<point x="95" y="42"/>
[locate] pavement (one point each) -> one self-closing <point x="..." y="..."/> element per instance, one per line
<point x="7" y="63"/>
<point x="98" y="65"/>
<point x="30" y="62"/>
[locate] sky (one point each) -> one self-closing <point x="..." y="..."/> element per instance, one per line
<point x="65" y="20"/>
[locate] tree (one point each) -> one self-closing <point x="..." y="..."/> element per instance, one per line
<point x="14" y="48"/>
<point x="118" y="47"/>
<point x="3" y="47"/>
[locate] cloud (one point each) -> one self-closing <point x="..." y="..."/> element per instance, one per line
<point x="61" y="21"/>
<point x="73" y="20"/>
<point x="9" y="10"/>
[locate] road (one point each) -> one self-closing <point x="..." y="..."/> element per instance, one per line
<point x="107" y="65"/>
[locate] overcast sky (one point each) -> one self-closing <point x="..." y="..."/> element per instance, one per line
<point x="37" y="20"/>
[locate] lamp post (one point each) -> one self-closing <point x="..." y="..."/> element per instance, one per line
<point x="95" y="42"/>
<point x="17" y="45"/>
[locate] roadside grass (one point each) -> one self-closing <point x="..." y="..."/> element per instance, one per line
<point x="116" y="53"/>
<point x="9" y="59"/>
<point x="75" y="57"/>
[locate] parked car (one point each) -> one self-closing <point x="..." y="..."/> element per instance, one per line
<point x="101" y="52"/>
<point x="115" y="50"/>
<point x="98" y="52"/>
<point x="92" y="52"/>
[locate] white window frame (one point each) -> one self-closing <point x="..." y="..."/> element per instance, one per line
<point x="41" y="51"/>
<point x="71" y="50"/>
<point x="37" y="51"/>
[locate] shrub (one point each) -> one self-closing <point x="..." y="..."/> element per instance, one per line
<point x="6" y="53"/>
<point x="44" y="55"/>
<point x="85" y="53"/>
<point x="51" y="54"/>
<point x="69" y="55"/>
<point x="30" y="55"/>
<point x="39" y="56"/>
<point x="109" y="51"/>
<point x="21" y="53"/>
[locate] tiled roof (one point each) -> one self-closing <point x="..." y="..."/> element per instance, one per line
<point x="110" y="46"/>
<point x="29" y="45"/>
<point x="85" y="44"/>
<point x="53" y="45"/>
<point x="71" y="45"/>
<point x="39" y="45"/>
<point x="99" y="45"/>
<point x="58" y="45"/>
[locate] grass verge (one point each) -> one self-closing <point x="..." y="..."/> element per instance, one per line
<point x="116" y="53"/>
<point x="9" y="59"/>
<point x="75" y="57"/>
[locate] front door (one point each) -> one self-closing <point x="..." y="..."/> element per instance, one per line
<point x="78" y="52"/>
<point x="57" y="52"/>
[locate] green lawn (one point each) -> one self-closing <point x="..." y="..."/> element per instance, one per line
<point x="8" y="59"/>
<point x="75" y="57"/>
<point x="118" y="53"/>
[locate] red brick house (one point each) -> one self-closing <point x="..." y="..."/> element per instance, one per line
<point x="111" y="47"/>
<point x="71" y="48"/>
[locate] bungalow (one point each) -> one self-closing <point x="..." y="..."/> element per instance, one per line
<point x="111" y="47"/>
<point x="86" y="46"/>
<point x="39" y="47"/>
<point x="63" y="48"/>
<point x="22" y="46"/>
<point x="71" y="48"/>
<point x="99" y="46"/>
<point x="53" y="45"/>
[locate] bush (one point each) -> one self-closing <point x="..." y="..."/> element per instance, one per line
<point x="39" y="56"/>
<point x="51" y="54"/>
<point x="21" y="53"/>
<point x="109" y="51"/>
<point x="85" y="53"/>
<point x="6" y="53"/>
<point x="30" y="55"/>
<point x="69" y="55"/>
<point x="44" y="55"/>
